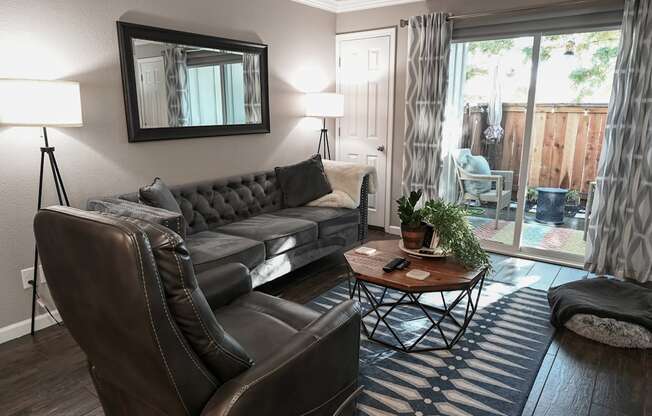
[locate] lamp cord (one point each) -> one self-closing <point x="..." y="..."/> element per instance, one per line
<point x="42" y="303"/>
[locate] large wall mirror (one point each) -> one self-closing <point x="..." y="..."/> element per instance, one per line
<point x="182" y="85"/>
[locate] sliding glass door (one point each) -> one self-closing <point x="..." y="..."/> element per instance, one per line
<point x="523" y="136"/>
<point x="574" y="79"/>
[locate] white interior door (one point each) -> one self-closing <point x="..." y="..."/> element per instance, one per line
<point x="153" y="102"/>
<point x="365" y="76"/>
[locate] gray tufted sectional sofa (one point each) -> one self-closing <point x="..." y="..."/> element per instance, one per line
<point x="241" y="219"/>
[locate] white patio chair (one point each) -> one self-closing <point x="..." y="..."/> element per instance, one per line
<point x="501" y="195"/>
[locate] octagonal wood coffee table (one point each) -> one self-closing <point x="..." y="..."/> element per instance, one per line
<point x="448" y="322"/>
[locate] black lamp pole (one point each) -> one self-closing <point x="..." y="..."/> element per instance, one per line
<point x="323" y="137"/>
<point x="63" y="200"/>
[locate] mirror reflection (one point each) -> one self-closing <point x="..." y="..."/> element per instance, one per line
<point x="181" y="86"/>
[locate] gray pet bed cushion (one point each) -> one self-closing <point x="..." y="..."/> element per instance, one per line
<point x="606" y="310"/>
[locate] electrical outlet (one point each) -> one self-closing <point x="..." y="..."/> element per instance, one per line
<point x="28" y="274"/>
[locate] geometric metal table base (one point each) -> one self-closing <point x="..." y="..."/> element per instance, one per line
<point x="437" y="316"/>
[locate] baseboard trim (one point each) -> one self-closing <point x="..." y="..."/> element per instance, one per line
<point x="22" y="328"/>
<point x="393" y="229"/>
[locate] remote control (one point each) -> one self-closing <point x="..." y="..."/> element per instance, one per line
<point x="405" y="263"/>
<point x="391" y="266"/>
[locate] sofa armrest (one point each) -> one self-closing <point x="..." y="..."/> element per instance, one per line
<point x="317" y="369"/>
<point x="363" y="228"/>
<point x="223" y="284"/>
<point x="172" y="220"/>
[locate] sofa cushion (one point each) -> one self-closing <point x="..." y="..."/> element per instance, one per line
<point x="303" y="182"/>
<point x="329" y="220"/>
<point x="159" y="195"/>
<point x="210" y="204"/>
<point x="279" y="234"/>
<point x="209" y="249"/>
<point x="280" y="265"/>
<point x="263" y="324"/>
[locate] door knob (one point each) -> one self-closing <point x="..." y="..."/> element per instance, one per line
<point x="381" y="148"/>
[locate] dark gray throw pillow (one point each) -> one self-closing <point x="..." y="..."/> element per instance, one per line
<point x="303" y="182"/>
<point x="158" y="195"/>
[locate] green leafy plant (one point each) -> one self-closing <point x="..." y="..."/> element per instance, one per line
<point x="455" y="233"/>
<point x="573" y="197"/>
<point x="408" y="212"/>
<point x="532" y="196"/>
<point x="596" y="53"/>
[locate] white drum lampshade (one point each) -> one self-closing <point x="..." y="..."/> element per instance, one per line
<point x="40" y="103"/>
<point x="324" y="105"/>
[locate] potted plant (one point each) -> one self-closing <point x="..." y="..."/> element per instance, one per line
<point x="572" y="206"/>
<point x="455" y="233"/>
<point x="531" y="198"/>
<point x="412" y="227"/>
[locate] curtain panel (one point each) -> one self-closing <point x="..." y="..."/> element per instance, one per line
<point x="175" y="61"/>
<point x="620" y="230"/>
<point x="429" y="42"/>
<point x="252" y="89"/>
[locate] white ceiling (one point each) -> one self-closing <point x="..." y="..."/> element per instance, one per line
<point x="341" y="6"/>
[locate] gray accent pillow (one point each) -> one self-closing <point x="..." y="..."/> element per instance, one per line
<point x="303" y="182"/>
<point x="158" y="195"/>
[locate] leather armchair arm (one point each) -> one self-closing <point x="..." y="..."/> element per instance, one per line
<point x="123" y="208"/>
<point x="314" y="373"/>
<point x="223" y="284"/>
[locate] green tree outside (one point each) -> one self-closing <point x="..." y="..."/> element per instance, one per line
<point x="599" y="49"/>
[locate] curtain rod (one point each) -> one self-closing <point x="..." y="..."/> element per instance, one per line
<point x="512" y="11"/>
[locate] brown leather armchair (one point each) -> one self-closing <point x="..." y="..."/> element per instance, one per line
<point x="161" y="340"/>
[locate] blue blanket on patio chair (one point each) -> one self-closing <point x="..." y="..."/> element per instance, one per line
<point x="476" y="165"/>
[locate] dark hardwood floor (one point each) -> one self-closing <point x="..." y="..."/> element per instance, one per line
<point x="46" y="374"/>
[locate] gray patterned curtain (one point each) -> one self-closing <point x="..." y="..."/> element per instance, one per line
<point x="429" y="41"/>
<point x="176" y="80"/>
<point x="620" y="231"/>
<point x="252" y="93"/>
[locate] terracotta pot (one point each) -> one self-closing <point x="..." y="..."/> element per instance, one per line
<point x="413" y="236"/>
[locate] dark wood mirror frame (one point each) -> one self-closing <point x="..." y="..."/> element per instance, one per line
<point x="129" y="31"/>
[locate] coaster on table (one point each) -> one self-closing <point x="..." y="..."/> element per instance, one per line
<point x="417" y="274"/>
<point x="367" y="251"/>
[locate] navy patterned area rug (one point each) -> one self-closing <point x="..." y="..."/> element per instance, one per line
<point x="490" y="371"/>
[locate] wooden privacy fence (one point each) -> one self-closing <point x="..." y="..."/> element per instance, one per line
<point x="566" y="142"/>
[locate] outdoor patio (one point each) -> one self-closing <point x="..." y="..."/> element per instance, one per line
<point x="566" y="141"/>
<point x="567" y="238"/>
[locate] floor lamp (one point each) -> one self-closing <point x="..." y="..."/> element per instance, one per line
<point x="324" y="105"/>
<point x="41" y="104"/>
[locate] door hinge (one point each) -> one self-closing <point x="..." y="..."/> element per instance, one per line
<point x="339" y="62"/>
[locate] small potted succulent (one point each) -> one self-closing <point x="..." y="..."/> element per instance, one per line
<point x="572" y="206"/>
<point x="412" y="227"/>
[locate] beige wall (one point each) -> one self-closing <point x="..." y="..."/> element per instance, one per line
<point x="76" y="40"/>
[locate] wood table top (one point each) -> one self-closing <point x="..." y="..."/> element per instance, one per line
<point x="445" y="273"/>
